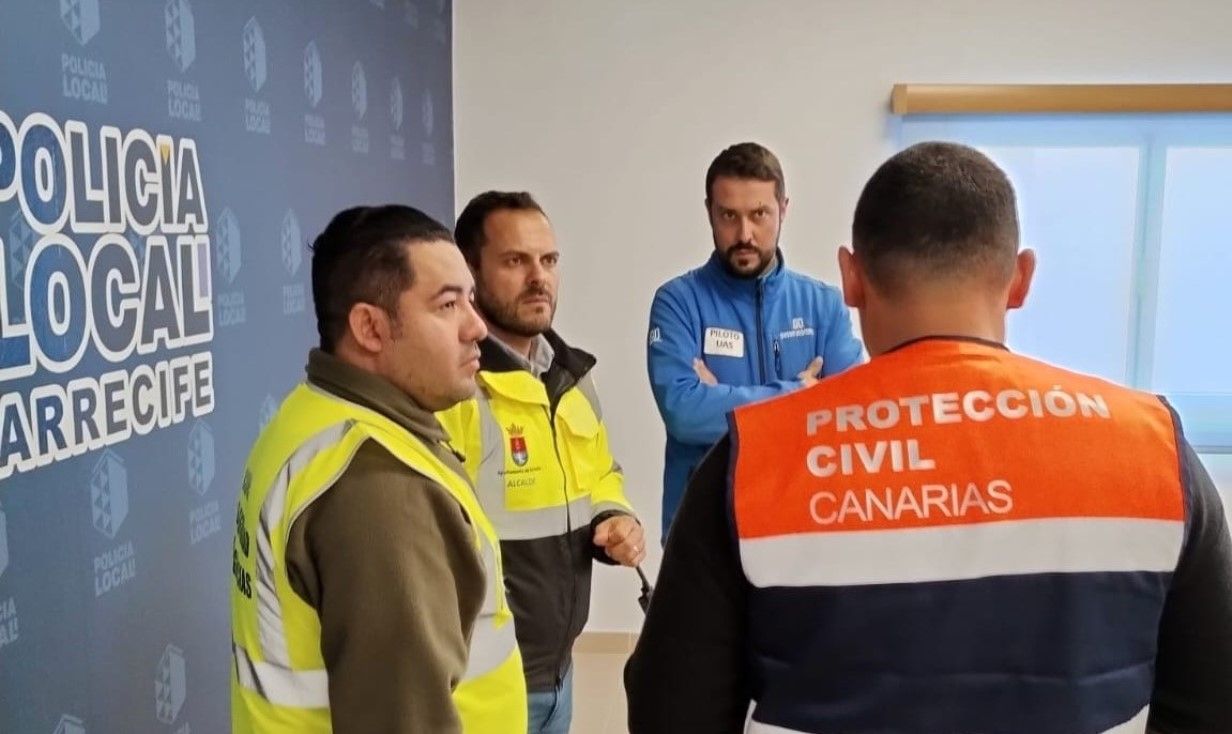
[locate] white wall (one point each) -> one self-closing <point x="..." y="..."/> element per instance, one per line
<point x="611" y="111"/>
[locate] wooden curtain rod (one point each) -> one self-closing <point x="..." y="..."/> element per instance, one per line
<point x="922" y="99"/>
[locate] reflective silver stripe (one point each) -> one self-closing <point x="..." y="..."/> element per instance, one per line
<point x="756" y="727"/>
<point x="490" y="646"/>
<point x="270" y="628"/>
<point x="547" y="522"/>
<point x="1136" y="725"/>
<point x="586" y="386"/>
<point x="307" y="689"/>
<point x="601" y="507"/>
<point x="492" y="598"/>
<point x="490" y="489"/>
<point x="959" y="552"/>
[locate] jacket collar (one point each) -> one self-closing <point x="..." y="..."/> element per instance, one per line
<point x="373" y="392"/>
<point x="505" y="375"/>
<point x="959" y="338"/>
<point x="493" y="358"/>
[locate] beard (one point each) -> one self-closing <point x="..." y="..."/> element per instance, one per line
<point x="504" y="314"/>
<point x="764" y="260"/>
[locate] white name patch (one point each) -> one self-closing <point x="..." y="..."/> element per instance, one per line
<point x="724" y="342"/>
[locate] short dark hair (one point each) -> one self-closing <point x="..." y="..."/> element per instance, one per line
<point x="747" y="160"/>
<point x="468" y="232"/>
<point x="361" y="258"/>
<point x="935" y="209"/>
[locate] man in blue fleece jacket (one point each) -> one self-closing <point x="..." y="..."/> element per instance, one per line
<point x="742" y="327"/>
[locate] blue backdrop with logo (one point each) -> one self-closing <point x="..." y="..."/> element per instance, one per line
<point x="163" y="165"/>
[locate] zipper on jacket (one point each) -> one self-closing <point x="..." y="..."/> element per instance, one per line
<point x="778" y="360"/>
<point x="761" y="337"/>
<point x="568" y="540"/>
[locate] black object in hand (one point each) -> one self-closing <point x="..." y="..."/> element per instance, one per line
<point x="644" y="600"/>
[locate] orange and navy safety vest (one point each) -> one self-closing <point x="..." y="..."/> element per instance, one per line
<point x="955" y="538"/>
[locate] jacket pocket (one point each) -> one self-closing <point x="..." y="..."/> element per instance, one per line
<point x="583" y="451"/>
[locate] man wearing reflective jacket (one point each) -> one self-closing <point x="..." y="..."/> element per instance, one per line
<point x="535" y="446"/>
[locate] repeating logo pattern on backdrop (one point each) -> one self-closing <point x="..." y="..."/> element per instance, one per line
<point x="183" y="95"/>
<point x="203" y="520"/>
<point x="9" y="629"/>
<point x="109" y="493"/>
<point x="4" y="542"/>
<point x="292" y="243"/>
<point x="201" y="463"/>
<point x="395" y="103"/>
<point x="359" y="90"/>
<point x="397" y="144"/>
<point x="228" y="257"/>
<point x="109" y="503"/>
<point x="170" y="685"/>
<point x="312" y="73"/>
<point x="257" y="112"/>
<point x="20" y="244"/>
<point x="181" y="33"/>
<point x="314" y="124"/>
<point x="428" y="117"/>
<point x="84" y="78"/>
<point x="112" y="281"/>
<point x="254" y="54"/>
<point x="70" y="725"/>
<point x="228" y="248"/>
<point x="359" y="103"/>
<point x="82" y="19"/>
<point x="268" y="409"/>
<point x="294" y="296"/>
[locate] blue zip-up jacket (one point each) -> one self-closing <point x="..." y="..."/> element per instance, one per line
<point x="755" y="335"/>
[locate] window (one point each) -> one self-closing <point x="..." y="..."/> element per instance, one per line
<point x="1131" y="216"/>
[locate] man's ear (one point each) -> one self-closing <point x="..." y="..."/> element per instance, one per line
<point x="1020" y="286"/>
<point x="852" y="275"/>
<point x="370" y="326"/>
